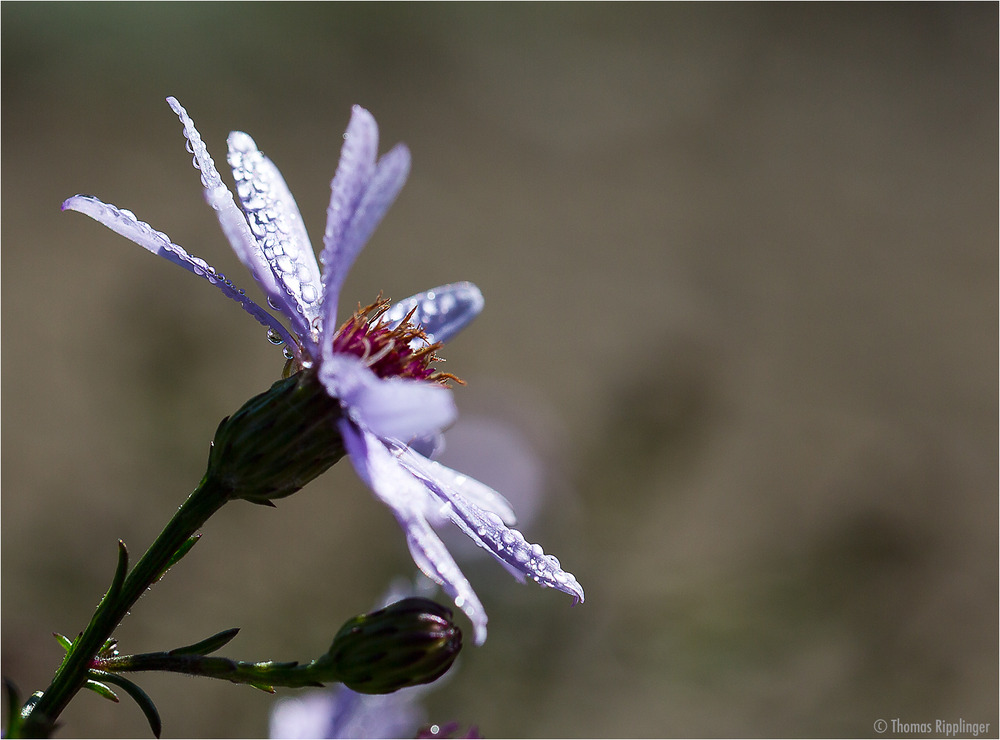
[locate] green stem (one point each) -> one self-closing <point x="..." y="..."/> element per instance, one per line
<point x="208" y="498"/>
<point x="265" y="674"/>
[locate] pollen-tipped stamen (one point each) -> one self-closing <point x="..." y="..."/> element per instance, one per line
<point x="390" y="352"/>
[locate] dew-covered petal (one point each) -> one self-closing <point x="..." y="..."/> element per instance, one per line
<point x="392" y="408"/>
<point x="487" y="529"/>
<point x="231" y="218"/>
<point x="277" y="225"/>
<point x="126" y="224"/>
<point x="441" y="312"/>
<point x="362" y="192"/>
<point x="478" y="493"/>
<point x="354" y="172"/>
<point x="407" y="497"/>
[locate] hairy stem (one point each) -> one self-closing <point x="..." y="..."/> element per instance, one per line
<point x="265" y="674"/>
<point x="208" y="498"/>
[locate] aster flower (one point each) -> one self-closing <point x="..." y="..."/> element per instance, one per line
<point x="379" y="363"/>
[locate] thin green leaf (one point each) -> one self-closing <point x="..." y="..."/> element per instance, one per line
<point x="139" y="696"/>
<point x="120" y="571"/>
<point x="13" y="709"/>
<point x="266" y="688"/>
<point x="63" y="641"/>
<point x="208" y="645"/>
<point x="181" y="552"/>
<point x="99" y="688"/>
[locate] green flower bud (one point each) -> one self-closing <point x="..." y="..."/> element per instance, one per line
<point x="407" y="643"/>
<point x="278" y="441"/>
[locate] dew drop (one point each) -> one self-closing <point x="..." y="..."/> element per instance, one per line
<point x="273" y="337"/>
<point x="309" y="294"/>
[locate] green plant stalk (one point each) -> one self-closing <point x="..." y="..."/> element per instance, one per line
<point x="263" y="675"/>
<point x="207" y="498"/>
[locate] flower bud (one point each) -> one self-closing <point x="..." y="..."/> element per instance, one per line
<point x="410" y="642"/>
<point x="278" y="441"/>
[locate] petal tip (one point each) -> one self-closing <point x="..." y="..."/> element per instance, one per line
<point x="241" y="142"/>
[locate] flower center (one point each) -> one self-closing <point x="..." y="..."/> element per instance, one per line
<point x="401" y="351"/>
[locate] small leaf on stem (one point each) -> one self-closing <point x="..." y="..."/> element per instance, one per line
<point x="208" y="645"/>
<point x="138" y="695"/>
<point x="99" y="688"/>
<point x="181" y="552"/>
<point x="13" y="709"/>
<point x="63" y="641"/>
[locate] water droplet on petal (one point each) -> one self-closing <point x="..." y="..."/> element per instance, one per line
<point x="273" y="337"/>
<point x="309" y="293"/>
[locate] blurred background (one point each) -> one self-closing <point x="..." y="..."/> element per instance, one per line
<point x="738" y="359"/>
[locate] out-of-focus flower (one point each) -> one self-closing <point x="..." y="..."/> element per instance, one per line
<point x="343" y="713"/>
<point x="378" y="364"/>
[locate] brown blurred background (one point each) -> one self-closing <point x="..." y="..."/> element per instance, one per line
<point x="740" y="265"/>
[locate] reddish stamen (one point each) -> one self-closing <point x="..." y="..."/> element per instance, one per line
<point x="388" y="351"/>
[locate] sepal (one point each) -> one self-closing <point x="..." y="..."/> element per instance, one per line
<point x="278" y="441"/>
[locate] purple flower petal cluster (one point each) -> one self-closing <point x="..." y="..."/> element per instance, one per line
<point x="378" y="364"/>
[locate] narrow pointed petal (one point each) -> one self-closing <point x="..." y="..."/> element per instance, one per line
<point x="486" y="528"/>
<point x="277" y="225"/>
<point x="390" y="176"/>
<point x="477" y="493"/>
<point x="407" y="496"/>
<point x="354" y="172"/>
<point x="231" y="218"/>
<point x="126" y="224"/>
<point x="441" y="312"/>
<point x="361" y="194"/>
<point x="392" y="408"/>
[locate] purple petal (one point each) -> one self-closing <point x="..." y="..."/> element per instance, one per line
<point x="390" y="176"/>
<point x="231" y="218"/>
<point x="442" y="312"/>
<point x="276" y="224"/>
<point x="342" y="713"/>
<point x="408" y="498"/>
<point x="354" y="172"/>
<point x="125" y="223"/>
<point x="392" y="408"/>
<point x="475" y="492"/>
<point x="361" y="194"/>
<point x="487" y="529"/>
